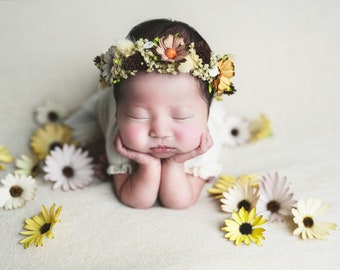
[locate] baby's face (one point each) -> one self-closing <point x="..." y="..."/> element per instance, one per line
<point x="161" y="114"/>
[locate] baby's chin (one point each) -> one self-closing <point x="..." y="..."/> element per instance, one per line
<point x="162" y="155"/>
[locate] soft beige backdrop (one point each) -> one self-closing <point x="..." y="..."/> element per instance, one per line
<point x="287" y="65"/>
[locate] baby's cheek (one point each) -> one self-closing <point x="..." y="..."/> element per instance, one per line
<point x="130" y="135"/>
<point x="190" y="135"/>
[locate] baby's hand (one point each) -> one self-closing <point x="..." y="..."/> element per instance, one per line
<point x="140" y="158"/>
<point x="205" y="144"/>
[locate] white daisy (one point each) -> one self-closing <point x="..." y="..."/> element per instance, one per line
<point x="69" y="168"/>
<point x="237" y="130"/>
<point x="275" y="199"/>
<point x="239" y="195"/>
<point x="306" y="217"/>
<point x="107" y="67"/>
<point x="50" y="112"/>
<point x="27" y="165"/>
<point x="16" y="190"/>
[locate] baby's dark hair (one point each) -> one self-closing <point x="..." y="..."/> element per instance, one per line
<point x="163" y="27"/>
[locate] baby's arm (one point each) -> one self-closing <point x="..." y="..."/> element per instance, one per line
<point x="140" y="189"/>
<point x="178" y="189"/>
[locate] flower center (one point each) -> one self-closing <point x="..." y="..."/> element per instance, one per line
<point x="53" y="116"/>
<point x="68" y="171"/>
<point x="273" y="206"/>
<point x="44" y="228"/>
<point x="234" y="132"/>
<point x="308" y="222"/>
<point x="245" y="204"/>
<point x="170" y="53"/>
<point x="246" y="228"/>
<point x="15" y="191"/>
<point x="54" y="145"/>
<point x="35" y="170"/>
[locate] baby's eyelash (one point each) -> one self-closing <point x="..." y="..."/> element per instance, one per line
<point x="182" y="118"/>
<point x="138" y="118"/>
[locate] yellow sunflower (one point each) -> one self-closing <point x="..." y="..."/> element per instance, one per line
<point x="5" y="156"/>
<point x="48" y="137"/>
<point x="243" y="227"/>
<point x="260" y="128"/>
<point x="226" y="181"/>
<point x="40" y="226"/>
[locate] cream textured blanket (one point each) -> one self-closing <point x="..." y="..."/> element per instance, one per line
<point x="287" y="66"/>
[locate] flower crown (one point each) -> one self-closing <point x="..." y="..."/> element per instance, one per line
<point x="169" y="55"/>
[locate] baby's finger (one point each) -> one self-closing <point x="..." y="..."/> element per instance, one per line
<point x="206" y="142"/>
<point x="120" y="148"/>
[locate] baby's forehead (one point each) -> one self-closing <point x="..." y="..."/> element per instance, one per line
<point x="146" y="77"/>
<point x="169" y="90"/>
<point x="181" y="84"/>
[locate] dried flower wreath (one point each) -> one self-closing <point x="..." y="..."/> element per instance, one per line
<point x="169" y="55"/>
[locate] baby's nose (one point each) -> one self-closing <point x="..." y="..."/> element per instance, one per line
<point x="159" y="130"/>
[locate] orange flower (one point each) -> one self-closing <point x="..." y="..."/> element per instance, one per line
<point x="171" y="48"/>
<point x="223" y="83"/>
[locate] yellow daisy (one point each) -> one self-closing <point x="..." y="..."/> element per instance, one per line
<point x="28" y="165"/>
<point x="306" y="216"/>
<point x="5" y="156"/>
<point x="260" y="128"/>
<point x="243" y="227"/>
<point x="40" y="226"/>
<point x="226" y="181"/>
<point x="48" y="137"/>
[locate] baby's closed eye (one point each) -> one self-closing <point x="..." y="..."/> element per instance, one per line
<point x="138" y="113"/>
<point x="138" y="117"/>
<point x="181" y="114"/>
<point x="182" y="117"/>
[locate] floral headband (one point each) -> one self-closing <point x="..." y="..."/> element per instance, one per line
<point x="169" y="55"/>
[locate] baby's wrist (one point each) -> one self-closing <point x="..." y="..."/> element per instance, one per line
<point x="171" y="162"/>
<point x="151" y="164"/>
